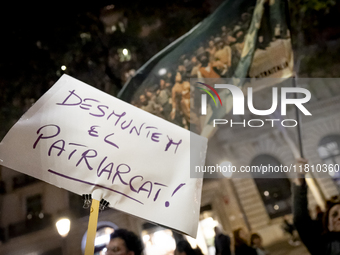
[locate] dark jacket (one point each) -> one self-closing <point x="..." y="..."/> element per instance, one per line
<point x="316" y="242"/>
<point x="244" y="250"/>
<point x="222" y="245"/>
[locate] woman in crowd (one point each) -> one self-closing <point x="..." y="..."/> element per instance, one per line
<point x="256" y="243"/>
<point x="241" y="243"/>
<point x="326" y="243"/>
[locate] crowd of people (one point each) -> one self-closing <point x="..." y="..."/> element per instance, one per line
<point x="218" y="56"/>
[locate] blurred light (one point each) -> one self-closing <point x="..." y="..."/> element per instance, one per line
<point x="29" y="216"/>
<point x="41" y="215"/>
<point x="63" y="226"/>
<point x="100" y="240"/>
<point x="124" y="55"/>
<point x="125" y="52"/>
<point x="208" y="225"/>
<point x="63" y="67"/>
<point x="226" y="165"/>
<point x="266" y="193"/>
<point x="276" y="207"/>
<point x="110" y="7"/>
<point x="162" y="71"/>
<point x="121" y="26"/>
<point x="146" y="238"/>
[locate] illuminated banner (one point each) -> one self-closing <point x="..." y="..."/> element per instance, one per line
<point x="88" y="142"/>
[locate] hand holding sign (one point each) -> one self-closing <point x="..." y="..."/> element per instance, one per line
<point x="83" y="140"/>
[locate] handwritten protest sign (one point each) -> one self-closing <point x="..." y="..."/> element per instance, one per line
<point x="88" y="142"/>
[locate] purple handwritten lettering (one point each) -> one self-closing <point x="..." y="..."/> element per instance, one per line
<point x="87" y="106"/>
<point x="54" y="145"/>
<point x="93" y="132"/>
<point x="172" y="142"/>
<point x="84" y="157"/>
<point x="117" y="115"/>
<point x="125" y="126"/>
<point x="109" y="142"/>
<point x="74" y="97"/>
<point x="76" y="144"/>
<point x="99" y="107"/>
<point x="132" y="179"/>
<point x="108" y="168"/>
<point x="41" y="136"/>
<point x="137" y="132"/>
<point x="118" y="173"/>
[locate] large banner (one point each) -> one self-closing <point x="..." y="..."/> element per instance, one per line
<point x="241" y="39"/>
<point x="88" y="142"/>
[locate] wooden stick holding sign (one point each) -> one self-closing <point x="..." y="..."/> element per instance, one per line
<point x="92" y="227"/>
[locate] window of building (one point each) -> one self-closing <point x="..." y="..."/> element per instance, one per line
<point x="34" y="207"/>
<point x="274" y="187"/>
<point x="329" y="152"/>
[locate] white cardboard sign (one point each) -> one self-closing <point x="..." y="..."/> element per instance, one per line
<point x="88" y="142"/>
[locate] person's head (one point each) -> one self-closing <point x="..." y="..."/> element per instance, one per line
<point x="204" y="59"/>
<point x="256" y="240"/>
<point x="178" y="77"/>
<point x="124" y="242"/>
<point x="183" y="247"/>
<point x="240" y="236"/>
<point x="219" y="42"/>
<point x="194" y="60"/>
<point x="318" y="209"/>
<point x="217" y="231"/>
<point x="162" y="83"/>
<point x="332" y="217"/>
<point x="142" y="99"/>
<point x="148" y="94"/>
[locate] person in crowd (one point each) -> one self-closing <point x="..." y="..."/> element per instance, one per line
<point x="195" y="67"/>
<point x="163" y="96"/>
<point x="181" y="98"/>
<point x="241" y="243"/>
<point x="124" y="242"/>
<point x="211" y="49"/>
<point x="256" y="243"/>
<point x="319" y="218"/>
<point x="183" y="247"/>
<point x="325" y="243"/>
<point x="290" y="229"/>
<point x="222" y="56"/>
<point x="222" y="242"/>
<point x="147" y="103"/>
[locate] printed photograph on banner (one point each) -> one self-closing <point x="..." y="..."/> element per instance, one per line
<point x="240" y="39"/>
<point x="258" y="133"/>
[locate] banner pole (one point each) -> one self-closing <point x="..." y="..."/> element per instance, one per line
<point x="311" y="182"/>
<point x="92" y="227"/>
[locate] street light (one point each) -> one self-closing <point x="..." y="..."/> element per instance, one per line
<point x="63" y="227"/>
